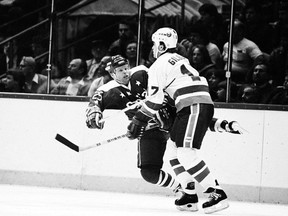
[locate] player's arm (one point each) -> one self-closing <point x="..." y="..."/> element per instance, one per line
<point x="166" y="114"/>
<point x="154" y="101"/>
<point x="147" y="112"/>
<point x="94" y="112"/>
<point x="220" y="125"/>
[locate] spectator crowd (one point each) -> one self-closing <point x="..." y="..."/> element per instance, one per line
<point x="259" y="59"/>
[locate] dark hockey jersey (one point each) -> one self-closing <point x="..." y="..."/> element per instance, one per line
<point x="113" y="95"/>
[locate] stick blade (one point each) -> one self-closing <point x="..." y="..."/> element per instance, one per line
<point x="66" y="142"/>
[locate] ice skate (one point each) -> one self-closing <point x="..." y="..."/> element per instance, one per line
<point x="217" y="201"/>
<point x="188" y="202"/>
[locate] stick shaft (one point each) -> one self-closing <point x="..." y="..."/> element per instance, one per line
<point x="83" y="148"/>
<point x="76" y="148"/>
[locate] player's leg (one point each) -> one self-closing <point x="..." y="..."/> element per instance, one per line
<point x="199" y="170"/>
<point x="151" y="149"/>
<point x="189" y="199"/>
<point x="217" y="197"/>
<point x="191" y="131"/>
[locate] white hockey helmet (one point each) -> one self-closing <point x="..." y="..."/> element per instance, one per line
<point x="165" y="38"/>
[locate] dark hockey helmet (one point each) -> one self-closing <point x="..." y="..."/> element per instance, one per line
<point x="118" y="61"/>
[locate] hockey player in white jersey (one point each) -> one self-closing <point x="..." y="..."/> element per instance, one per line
<point x="171" y="73"/>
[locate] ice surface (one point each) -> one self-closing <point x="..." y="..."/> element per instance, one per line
<point x="39" y="201"/>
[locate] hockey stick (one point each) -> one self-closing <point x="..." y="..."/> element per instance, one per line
<point x="76" y="148"/>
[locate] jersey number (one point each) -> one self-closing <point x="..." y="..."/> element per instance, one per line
<point x="184" y="70"/>
<point x="155" y="89"/>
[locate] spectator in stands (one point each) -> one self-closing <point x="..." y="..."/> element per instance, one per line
<point x="34" y="82"/>
<point x="199" y="58"/>
<point x="200" y="35"/>
<point x="279" y="60"/>
<point x="126" y="33"/>
<point x="213" y="81"/>
<point x="213" y="22"/>
<point x="39" y="47"/>
<point x="222" y="92"/>
<point x="261" y="83"/>
<point x="98" y="51"/>
<point x="55" y="73"/>
<point x="180" y="49"/>
<point x="77" y="82"/>
<point x="103" y="71"/>
<point x="131" y="54"/>
<point x="280" y="94"/>
<point x="247" y="94"/>
<point x="256" y="29"/>
<point x="245" y="54"/>
<point x="13" y="81"/>
<point x="12" y="55"/>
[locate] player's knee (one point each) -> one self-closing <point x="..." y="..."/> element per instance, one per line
<point x="187" y="152"/>
<point x="150" y="174"/>
<point x="187" y="156"/>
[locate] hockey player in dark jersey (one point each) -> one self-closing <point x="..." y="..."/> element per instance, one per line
<point x="172" y="74"/>
<point x="129" y="86"/>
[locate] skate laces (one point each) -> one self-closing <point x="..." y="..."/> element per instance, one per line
<point x="214" y="196"/>
<point x="178" y="189"/>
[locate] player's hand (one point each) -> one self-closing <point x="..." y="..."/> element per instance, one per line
<point x="165" y="117"/>
<point x="94" y="118"/>
<point x="136" y="129"/>
<point x="234" y="127"/>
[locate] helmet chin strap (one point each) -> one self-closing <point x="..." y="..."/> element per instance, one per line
<point x="159" y="50"/>
<point x="159" y="53"/>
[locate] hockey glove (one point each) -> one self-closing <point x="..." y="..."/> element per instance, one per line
<point x="138" y="124"/>
<point x="136" y="129"/>
<point x="166" y="116"/>
<point x="94" y="117"/>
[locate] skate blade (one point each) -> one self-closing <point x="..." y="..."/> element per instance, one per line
<point x="193" y="207"/>
<point x="218" y="207"/>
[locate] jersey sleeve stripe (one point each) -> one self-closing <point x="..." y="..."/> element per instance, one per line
<point x="147" y="110"/>
<point x="192" y="98"/>
<point x="190" y="89"/>
<point x="152" y="105"/>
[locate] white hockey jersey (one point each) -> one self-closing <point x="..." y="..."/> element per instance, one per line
<point x="172" y="73"/>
